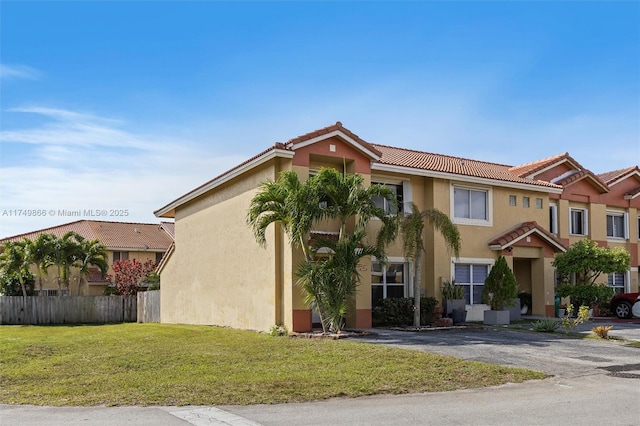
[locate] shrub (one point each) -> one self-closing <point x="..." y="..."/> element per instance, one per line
<point x="588" y="295"/>
<point x="399" y="311"/>
<point x="451" y="290"/>
<point x="500" y="286"/>
<point x="10" y="285"/>
<point x="547" y="325"/>
<point x="569" y="323"/>
<point x="602" y="331"/>
<point x="278" y="330"/>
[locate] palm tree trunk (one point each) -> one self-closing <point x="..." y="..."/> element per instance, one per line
<point x="417" y="267"/>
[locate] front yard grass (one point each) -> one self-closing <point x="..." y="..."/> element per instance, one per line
<point x="162" y="364"/>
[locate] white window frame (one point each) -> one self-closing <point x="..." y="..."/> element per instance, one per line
<point x="625" y="225"/>
<point x="469" y="221"/>
<point x="553" y="218"/>
<point x="471" y="261"/>
<point x="407" y="196"/>
<point x="408" y="284"/>
<point x="585" y="220"/>
<point x="625" y="285"/>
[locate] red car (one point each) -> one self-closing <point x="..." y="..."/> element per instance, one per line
<point x="622" y="304"/>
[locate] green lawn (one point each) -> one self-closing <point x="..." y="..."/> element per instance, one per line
<point x="161" y="364"/>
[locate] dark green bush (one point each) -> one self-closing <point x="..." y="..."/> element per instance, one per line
<point x="587" y="294"/>
<point x="399" y="311"/>
<point x="10" y="285"/>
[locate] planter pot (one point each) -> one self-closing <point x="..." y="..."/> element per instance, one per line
<point x="454" y="305"/>
<point x="496" y="317"/>
<point x="514" y="311"/>
<point x="459" y="316"/>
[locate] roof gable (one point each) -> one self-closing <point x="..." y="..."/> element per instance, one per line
<point x="616" y="176"/>
<point x="335" y="130"/>
<point x="523" y="230"/>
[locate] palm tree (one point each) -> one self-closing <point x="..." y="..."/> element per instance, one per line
<point x="412" y="230"/>
<point x="91" y="253"/>
<point x="65" y="253"/>
<point x="15" y="259"/>
<point x="42" y="255"/>
<point x="297" y="207"/>
<point x="289" y="202"/>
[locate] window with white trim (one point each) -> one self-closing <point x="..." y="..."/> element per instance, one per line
<point x="553" y="218"/>
<point x="617" y="282"/>
<point x="471" y="205"/>
<point x="471" y="277"/>
<point x="389" y="281"/>
<point x="512" y="200"/>
<point x="525" y="202"/>
<point x="617" y="225"/>
<point x="538" y="203"/>
<point x="383" y="203"/>
<point x="578" y="221"/>
<point x="120" y="255"/>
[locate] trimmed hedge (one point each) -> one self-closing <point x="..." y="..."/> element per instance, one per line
<point x="399" y="311"/>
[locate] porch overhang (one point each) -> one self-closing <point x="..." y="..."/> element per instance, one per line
<point x="520" y="232"/>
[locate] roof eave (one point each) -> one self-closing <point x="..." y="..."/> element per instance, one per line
<point x="168" y="211"/>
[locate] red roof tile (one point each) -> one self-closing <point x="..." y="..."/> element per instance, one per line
<point x="334" y="127"/>
<point x="522" y="230"/>
<point x="612" y="176"/>
<point x="454" y="165"/>
<point x="114" y="235"/>
<point x="534" y="166"/>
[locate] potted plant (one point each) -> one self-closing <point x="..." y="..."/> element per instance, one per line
<point x="500" y="291"/>
<point x="452" y="297"/>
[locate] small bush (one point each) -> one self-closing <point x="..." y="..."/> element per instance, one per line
<point x="399" y="311"/>
<point x="602" y="331"/>
<point x="569" y="323"/>
<point x="547" y="325"/>
<point x="278" y="330"/>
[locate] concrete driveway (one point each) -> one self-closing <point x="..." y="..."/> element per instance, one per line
<point x="594" y="383"/>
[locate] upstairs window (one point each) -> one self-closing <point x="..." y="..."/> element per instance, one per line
<point x="578" y="221"/>
<point x="383" y="203"/>
<point x="617" y="225"/>
<point x="525" y="202"/>
<point x="553" y="218"/>
<point x="471" y="206"/>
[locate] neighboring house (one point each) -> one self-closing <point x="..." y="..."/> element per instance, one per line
<point x="142" y="241"/>
<point x="216" y="273"/>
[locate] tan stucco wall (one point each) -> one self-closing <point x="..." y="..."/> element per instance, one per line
<point x="218" y="274"/>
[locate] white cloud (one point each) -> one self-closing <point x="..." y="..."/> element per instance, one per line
<point x="8" y="72"/>
<point x="82" y="163"/>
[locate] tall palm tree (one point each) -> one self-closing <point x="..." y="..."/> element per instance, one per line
<point x="291" y="203"/>
<point x="412" y="231"/>
<point x="42" y="255"/>
<point x="90" y="253"/>
<point x="15" y="259"/>
<point x="296" y="206"/>
<point x="64" y="255"/>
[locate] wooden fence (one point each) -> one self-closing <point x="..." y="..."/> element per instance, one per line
<point x="149" y="306"/>
<point x="67" y="310"/>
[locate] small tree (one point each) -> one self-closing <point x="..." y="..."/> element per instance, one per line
<point x="128" y="274"/>
<point x="500" y="287"/>
<point x="586" y="261"/>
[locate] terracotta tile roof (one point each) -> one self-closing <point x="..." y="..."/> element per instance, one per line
<point x="332" y="128"/>
<point x="114" y="235"/>
<point x="632" y="193"/>
<point x="612" y="176"/>
<point x="454" y="165"/>
<point x="519" y="231"/>
<point x="534" y="166"/>
<point x="170" y="228"/>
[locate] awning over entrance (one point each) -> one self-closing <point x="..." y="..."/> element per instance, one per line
<point x="518" y="235"/>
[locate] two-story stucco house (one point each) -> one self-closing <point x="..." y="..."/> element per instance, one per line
<point x="217" y="274"/>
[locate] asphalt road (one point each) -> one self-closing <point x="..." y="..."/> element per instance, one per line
<point x="593" y="383"/>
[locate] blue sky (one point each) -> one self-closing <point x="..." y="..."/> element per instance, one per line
<point x="128" y="105"/>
